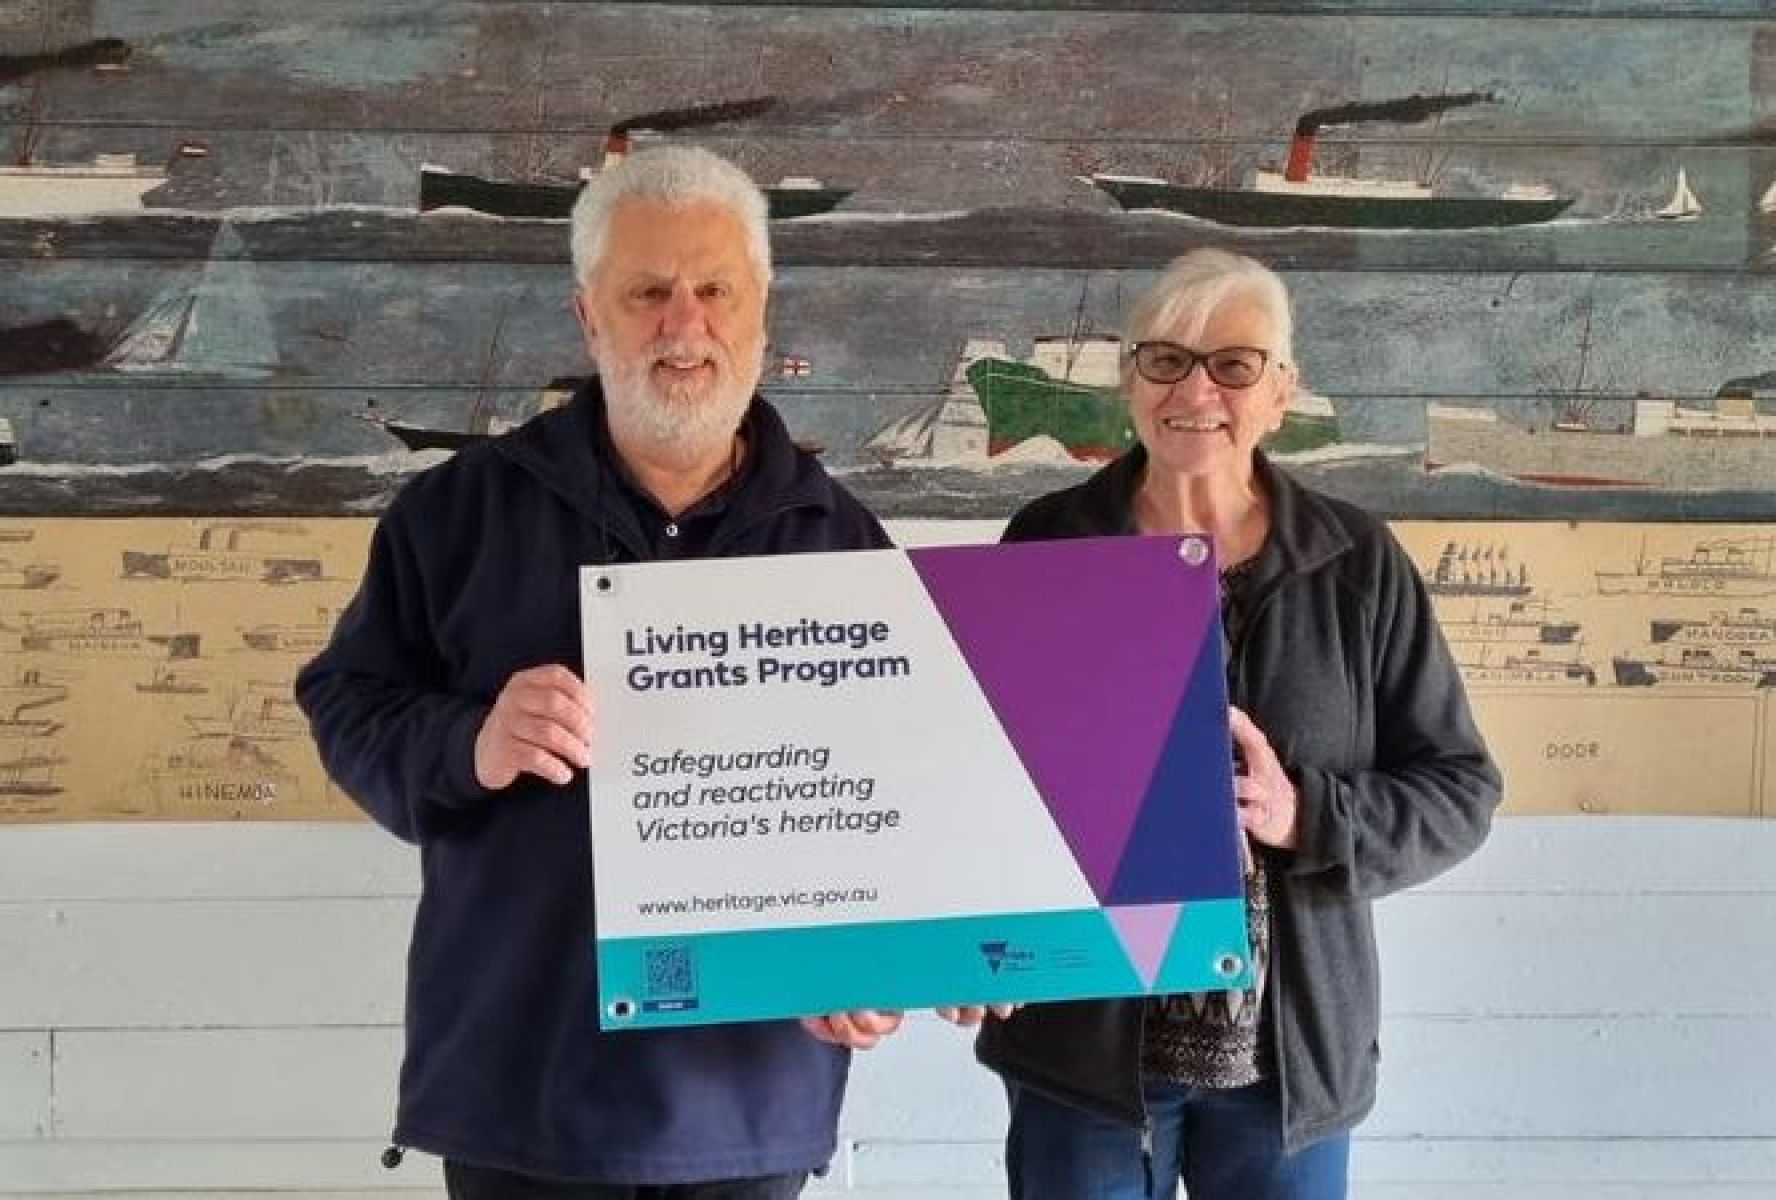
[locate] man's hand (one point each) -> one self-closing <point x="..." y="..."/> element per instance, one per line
<point x="970" y="1015"/>
<point x="1268" y="809"/>
<point x="540" y="723"/>
<point x="858" y="1030"/>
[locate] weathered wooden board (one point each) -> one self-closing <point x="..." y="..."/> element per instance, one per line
<point x="301" y="360"/>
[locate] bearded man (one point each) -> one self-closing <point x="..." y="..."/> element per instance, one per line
<point x="450" y="705"/>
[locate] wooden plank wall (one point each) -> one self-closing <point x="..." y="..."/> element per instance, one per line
<point x="1582" y="1012"/>
<point x="287" y="230"/>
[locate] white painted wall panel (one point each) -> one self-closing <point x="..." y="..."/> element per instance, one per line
<point x="1634" y="1077"/>
<point x="181" y="1169"/>
<point x="1497" y="955"/>
<point x="923" y="1084"/>
<point x="203" y="861"/>
<point x="1620" y="856"/>
<point x="24" y="1086"/>
<point x="1667" y="1162"/>
<point x="192" y="965"/>
<point x="136" y="964"/>
<point x="226" y="1084"/>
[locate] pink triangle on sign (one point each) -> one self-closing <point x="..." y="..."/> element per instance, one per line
<point x="1146" y="933"/>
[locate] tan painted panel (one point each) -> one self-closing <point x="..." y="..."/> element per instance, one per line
<point x="1615" y="668"/>
<point x="1616" y="754"/>
<point x="146" y="666"/>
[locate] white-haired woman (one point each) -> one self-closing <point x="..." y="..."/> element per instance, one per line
<point x="1360" y="772"/>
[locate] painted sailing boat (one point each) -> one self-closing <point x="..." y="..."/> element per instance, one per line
<point x="1767" y="202"/>
<point x="219" y="326"/>
<point x="951" y="429"/>
<point x="1683" y="205"/>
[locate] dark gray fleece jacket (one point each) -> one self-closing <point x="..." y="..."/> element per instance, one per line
<point x="1341" y="663"/>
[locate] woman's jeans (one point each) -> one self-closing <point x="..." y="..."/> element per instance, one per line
<point x="463" y="1182"/>
<point x="1224" y="1143"/>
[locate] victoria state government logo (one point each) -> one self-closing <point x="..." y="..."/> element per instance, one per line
<point x="1003" y="956"/>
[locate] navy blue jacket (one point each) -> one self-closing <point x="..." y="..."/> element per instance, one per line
<point x="473" y="576"/>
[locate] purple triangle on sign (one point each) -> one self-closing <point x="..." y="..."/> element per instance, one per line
<point x="1083" y="648"/>
<point x="1146" y="932"/>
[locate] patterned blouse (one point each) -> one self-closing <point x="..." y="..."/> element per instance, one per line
<point x="1219" y="1039"/>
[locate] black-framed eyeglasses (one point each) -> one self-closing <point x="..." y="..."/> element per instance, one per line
<point x="1231" y="367"/>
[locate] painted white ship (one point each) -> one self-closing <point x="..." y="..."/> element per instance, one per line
<point x="110" y="183"/>
<point x="1665" y="445"/>
<point x="951" y="430"/>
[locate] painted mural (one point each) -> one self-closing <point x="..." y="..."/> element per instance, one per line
<point x="265" y="262"/>
<point x="275" y="261"/>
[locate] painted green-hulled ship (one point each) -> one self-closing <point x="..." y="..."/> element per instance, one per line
<point x="1068" y="391"/>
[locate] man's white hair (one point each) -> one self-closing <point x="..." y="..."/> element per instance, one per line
<point x="1195" y="284"/>
<point x="674" y="176"/>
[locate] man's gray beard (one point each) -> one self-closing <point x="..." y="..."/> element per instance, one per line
<point x="675" y="424"/>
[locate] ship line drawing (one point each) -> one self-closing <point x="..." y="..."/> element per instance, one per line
<point x="218" y="556"/>
<point x="1498" y="629"/>
<point x="164" y="681"/>
<point x="1738" y="627"/>
<point x="1463" y="569"/>
<point x="30" y="774"/>
<point x="107" y="631"/>
<point x="300" y="637"/>
<point x="22" y="700"/>
<point x="233" y="775"/>
<point x="1295" y="197"/>
<point x="27" y="576"/>
<point x="1729" y="648"/>
<point x="1699" y="666"/>
<point x="261" y="711"/>
<point x="1726" y="566"/>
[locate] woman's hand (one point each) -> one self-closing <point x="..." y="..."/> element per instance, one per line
<point x="970" y="1015"/>
<point x="859" y="1030"/>
<point x="1268" y="809"/>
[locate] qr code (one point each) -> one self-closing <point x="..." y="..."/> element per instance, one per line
<point x="669" y="971"/>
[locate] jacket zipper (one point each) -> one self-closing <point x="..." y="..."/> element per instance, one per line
<point x="1274" y="980"/>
